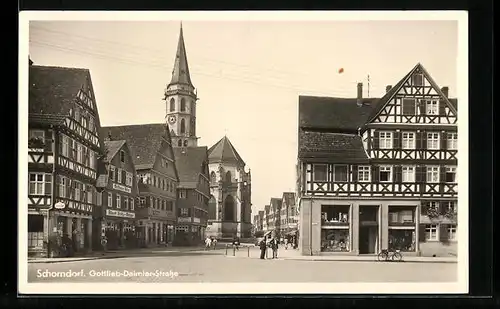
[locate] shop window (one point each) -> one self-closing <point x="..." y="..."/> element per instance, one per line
<point x="35" y="231"/>
<point x="320" y="172"/>
<point x="331" y="214"/>
<point x="334" y="240"/>
<point x="431" y="232"/>
<point x="403" y="240"/>
<point x="401" y="215"/>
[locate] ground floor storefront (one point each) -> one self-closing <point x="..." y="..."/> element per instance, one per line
<point x="330" y="226"/>
<point x="154" y="232"/>
<point x="38" y="232"/>
<point x="188" y="234"/>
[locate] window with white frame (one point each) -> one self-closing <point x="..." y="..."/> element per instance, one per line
<point x="431" y="232"/>
<point x="65" y="145"/>
<point x="90" y="195"/>
<point x="132" y="204"/>
<point x="37" y="183"/>
<point x="84" y="122"/>
<point x="182" y="193"/>
<point x="62" y="186"/>
<point x="452" y="232"/>
<point x="408" y="140"/>
<point x="432" y="140"/>
<point x="432" y="174"/>
<point x="91" y="123"/>
<point x="110" y="199"/>
<point x="340" y="173"/>
<point x="432" y="107"/>
<point x="118" y="201"/>
<point x="129" y="179"/>
<point x="385" y="140"/>
<point x="450" y="206"/>
<point x="79" y="153"/>
<point x="92" y="159"/>
<point x="451" y="174"/>
<point x="319" y="172"/>
<point x="184" y="212"/>
<point x="434" y="205"/>
<point x="73" y="148"/>
<point x="408" y="173"/>
<point x="385" y="174"/>
<point x="452" y="141"/>
<point x="119" y="171"/>
<point x="125" y="202"/>
<point x="364" y="173"/>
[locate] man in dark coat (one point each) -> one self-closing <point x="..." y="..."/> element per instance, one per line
<point x="263" y="248"/>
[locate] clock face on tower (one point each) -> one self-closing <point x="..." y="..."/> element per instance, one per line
<point x="171" y="119"/>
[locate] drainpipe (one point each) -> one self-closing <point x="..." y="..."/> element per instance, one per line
<point x="310" y="227"/>
<point x="50" y="213"/>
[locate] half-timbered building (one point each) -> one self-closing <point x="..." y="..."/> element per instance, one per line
<point x="117" y="192"/>
<point x="63" y="150"/>
<point x="151" y="150"/>
<point x="379" y="173"/>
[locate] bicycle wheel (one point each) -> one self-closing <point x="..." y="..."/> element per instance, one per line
<point x="397" y="257"/>
<point x="381" y="256"/>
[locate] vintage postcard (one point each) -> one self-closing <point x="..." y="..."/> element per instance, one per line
<point x="243" y="152"/>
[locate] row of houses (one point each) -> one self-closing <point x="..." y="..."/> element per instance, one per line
<point x="126" y="186"/>
<point x="280" y="216"/>
<point x="379" y="173"/>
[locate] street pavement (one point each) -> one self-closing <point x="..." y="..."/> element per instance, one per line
<point x="245" y="266"/>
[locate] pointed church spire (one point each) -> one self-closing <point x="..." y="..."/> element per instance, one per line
<point x="180" y="73"/>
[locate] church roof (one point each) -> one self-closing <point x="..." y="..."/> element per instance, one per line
<point x="224" y="152"/>
<point x="180" y="73"/>
<point x="190" y="162"/>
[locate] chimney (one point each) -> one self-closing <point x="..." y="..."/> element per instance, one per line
<point x="30" y="61"/>
<point x="387" y="88"/>
<point x="360" y="94"/>
<point x="108" y="138"/>
<point x="445" y="91"/>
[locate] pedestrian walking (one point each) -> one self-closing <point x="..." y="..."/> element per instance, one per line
<point x="236" y="243"/>
<point x="214" y="242"/>
<point x="208" y="243"/>
<point x="286" y="243"/>
<point x="274" y="247"/>
<point x="263" y="248"/>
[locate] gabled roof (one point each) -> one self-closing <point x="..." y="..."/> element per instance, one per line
<point x="52" y="90"/>
<point x="267" y="208"/>
<point x="289" y="198"/>
<point x="143" y="140"/>
<point x="275" y="203"/>
<point x="390" y="94"/>
<point x="112" y="148"/>
<point x="341" y="114"/>
<point x="180" y="73"/>
<point x="331" y="147"/>
<point x="224" y="152"/>
<point x="189" y="162"/>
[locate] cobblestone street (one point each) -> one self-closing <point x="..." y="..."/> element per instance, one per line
<point x="214" y="266"/>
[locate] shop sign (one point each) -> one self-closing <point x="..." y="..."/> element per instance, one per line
<point x="118" y="213"/>
<point x="80" y="206"/>
<point x="184" y="219"/>
<point x="157" y="213"/>
<point x="59" y="205"/>
<point x="196" y="220"/>
<point x="121" y="188"/>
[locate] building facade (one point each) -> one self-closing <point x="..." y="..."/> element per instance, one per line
<point x="63" y="149"/>
<point x="230" y="205"/>
<point x="117" y="196"/>
<point x="266" y="220"/>
<point x="289" y="215"/>
<point x="379" y="173"/>
<point x="151" y="150"/>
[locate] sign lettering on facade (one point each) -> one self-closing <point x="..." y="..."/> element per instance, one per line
<point x="184" y="219"/>
<point x="80" y="206"/>
<point x="196" y="220"/>
<point x="122" y="188"/>
<point x="118" y="213"/>
<point x="59" y="205"/>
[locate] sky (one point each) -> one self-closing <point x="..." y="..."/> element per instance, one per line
<point x="248" y="74"/>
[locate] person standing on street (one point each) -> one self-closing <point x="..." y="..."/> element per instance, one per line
<point x="274" y="247"/>
<point x="263" y="248"/>
<point x="208" y="243"/>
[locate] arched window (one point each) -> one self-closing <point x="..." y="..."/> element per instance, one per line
<point x="185" y="143"/>
<point x="172" y="105"/>
<point x="183" y="105"/>
<point x="229" y="208"/>
<point x="213" y="177"/>
<point x="228" y="177"/>
<point x="212" y="208"/>
<point x="183" y="126"/>
<point x="179" y="143"/>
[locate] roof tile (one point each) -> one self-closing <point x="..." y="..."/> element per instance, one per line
<point x="189" y="162"/>
<point x="335" y="147"/>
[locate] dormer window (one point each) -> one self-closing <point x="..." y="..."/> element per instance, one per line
<point x="122" y="156"/>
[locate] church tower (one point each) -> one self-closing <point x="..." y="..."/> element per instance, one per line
<point x="180" y="98"/>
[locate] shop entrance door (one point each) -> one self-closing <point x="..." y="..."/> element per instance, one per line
<point x="368" y="239"/>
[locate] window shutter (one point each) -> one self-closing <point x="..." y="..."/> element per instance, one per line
<point x="444" y="137"/>
<point x="376" y="139"/>
<point x="418" y="174"/>
<point x="124" y="176"/>
<point x="422" y="104"/>
<point x="48" y="184"/>
<point x="424" y="140"/>
<point x="421" y="233"/>
<point x="375" y="173"/>
<point x="397" y="140"/>
<point x="443" y="232"/>
<point x="418" y="140"/>
<point x="397" y="173"/>
<point x="354" y="173"/>
<point x="442" y="107"/>
<point x="442" y="173"/>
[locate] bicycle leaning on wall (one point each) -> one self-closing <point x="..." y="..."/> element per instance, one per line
<point x="386" y="255"/>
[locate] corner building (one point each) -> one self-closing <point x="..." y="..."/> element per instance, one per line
<point x="379" y="173"/>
